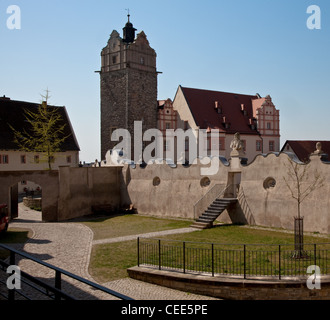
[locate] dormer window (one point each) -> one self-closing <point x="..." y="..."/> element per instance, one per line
<point x="243" y="109"/>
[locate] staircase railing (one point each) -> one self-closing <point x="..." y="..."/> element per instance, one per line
<point x="245" y="207"/>
<point x="217" y="191"/>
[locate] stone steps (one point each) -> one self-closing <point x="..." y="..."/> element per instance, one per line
<point x="205" y="221"/>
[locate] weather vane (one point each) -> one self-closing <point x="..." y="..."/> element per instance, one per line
<point x="128" y="15"/>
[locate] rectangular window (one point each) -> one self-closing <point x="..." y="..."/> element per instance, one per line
<point x="5" y="159"/>
<point x="23" y="159"/>
<point x="36" y="159"/>
<point x="258" y="145"/>
<point x="271" y="146"/>
<point x="269" y="126"/>
<point x="167" y="125"/>
<point x="68" y="159"/>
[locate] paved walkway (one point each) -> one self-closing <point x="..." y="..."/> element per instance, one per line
<point x="68" y="246"/>
<point x="145" y="235"/>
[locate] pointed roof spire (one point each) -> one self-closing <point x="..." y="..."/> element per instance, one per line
<point x="128" y="30"/>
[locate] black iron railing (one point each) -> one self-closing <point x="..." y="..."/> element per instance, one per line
<point x="35" y="287"/>
<point x="245" y="260"/>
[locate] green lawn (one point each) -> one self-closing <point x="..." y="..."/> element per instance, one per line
<point x="237" y="234"/>
<point x="131" y="224"/>
<point x="110" y="261"/>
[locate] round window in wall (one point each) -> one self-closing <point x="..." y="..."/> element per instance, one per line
<point x="205" y="182"/>
<point x="269" y="183"/>
<point x="156" y="181"/>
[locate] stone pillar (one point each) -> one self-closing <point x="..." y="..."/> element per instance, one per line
<point x="234" y="174"/>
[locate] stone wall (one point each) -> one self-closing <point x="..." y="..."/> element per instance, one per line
<point x="274" y="206"/>
<point x="32" y="202"/>
<point x="67" y="193"/>
<point x="83" y="188"/>
<point x="113" y="106"/>
<point x="260" y="202"/>
<point x="233" y="288"/>
<point x="174" y="194"/>
<point x="161" y="190"/>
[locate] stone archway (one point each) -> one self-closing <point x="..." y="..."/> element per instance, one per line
<point x="25" y="197"/>
<point x="47" y="179"/>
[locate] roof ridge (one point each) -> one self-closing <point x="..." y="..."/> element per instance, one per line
<point x="217" y="91"/>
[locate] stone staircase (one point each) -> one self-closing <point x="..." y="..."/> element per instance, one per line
<point x="206" y="220"/>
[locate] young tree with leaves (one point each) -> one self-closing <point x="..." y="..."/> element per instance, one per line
<point x="45" y="134"/>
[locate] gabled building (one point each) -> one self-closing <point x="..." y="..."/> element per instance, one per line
<point x="128" y="83"/>
<point x="254" y="117"/>
<point x="304" y="148"/>
<point x="12" y="113"/>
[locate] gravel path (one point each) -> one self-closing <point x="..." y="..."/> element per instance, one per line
<point x="68" y="246"/>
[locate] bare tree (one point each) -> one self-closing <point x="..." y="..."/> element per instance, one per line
<point x="297" y="181"/>
<point x="301" y="186"/>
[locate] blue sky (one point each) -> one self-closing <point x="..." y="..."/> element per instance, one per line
<point x="256" y="46"/>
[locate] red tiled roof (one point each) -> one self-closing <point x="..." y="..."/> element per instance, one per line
<point x="304" y="148"/>
<point x="202" y="105"/>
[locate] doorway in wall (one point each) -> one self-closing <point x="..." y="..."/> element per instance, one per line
<point x="26" y="201"/>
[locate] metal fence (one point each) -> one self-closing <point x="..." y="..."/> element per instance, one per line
<point x="45" y="290"/>
<point x="245" y="260"/>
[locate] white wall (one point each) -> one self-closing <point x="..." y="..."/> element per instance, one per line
<point x="15" y="163"/>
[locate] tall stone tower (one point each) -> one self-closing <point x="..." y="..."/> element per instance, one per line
<point x="128" y="85"/>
